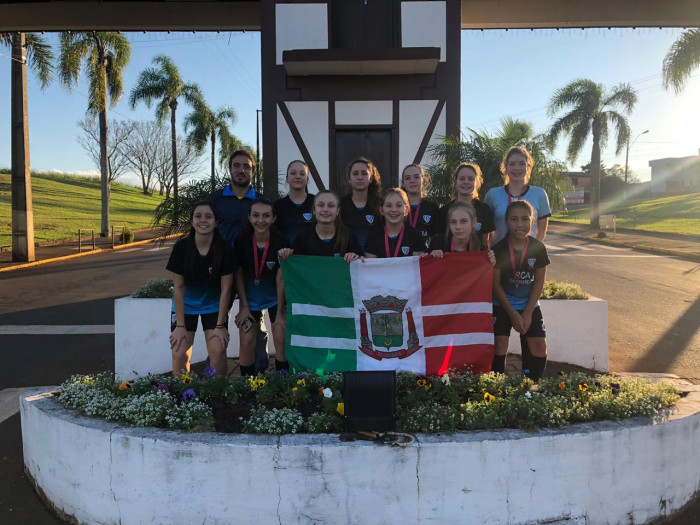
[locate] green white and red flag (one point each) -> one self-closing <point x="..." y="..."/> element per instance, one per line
<point x="416" y="314"/>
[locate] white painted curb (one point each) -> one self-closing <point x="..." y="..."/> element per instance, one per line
<point x="577" y="332"/>
<point x="605" y="472"/>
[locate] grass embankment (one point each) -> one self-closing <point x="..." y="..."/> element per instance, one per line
<point x="64" y="203"/>
<point x="676" y="214"/>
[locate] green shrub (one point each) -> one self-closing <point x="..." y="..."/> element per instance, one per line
<point x="555" y="290"/>
<point x="126" y="236"/>
<point x="155" y="289"/>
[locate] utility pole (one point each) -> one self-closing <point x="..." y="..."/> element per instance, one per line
<point x="22" y="210"/>
<point x="627" y="155"/>
<point x="257" y="149"/>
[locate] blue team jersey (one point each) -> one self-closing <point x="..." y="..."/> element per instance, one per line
<point x="497" y="200"/>
<point x="517" y="284"/>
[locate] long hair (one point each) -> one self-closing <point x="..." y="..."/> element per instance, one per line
<point x="260" y="199"/>
<point x="473" y="244"/>
<point x="425" y="178"/>
<point x="374" y="191"/>
<point x="216" y="250"/>
<point x="517" y="150"/>
<point x="342" y="234"/>
<point x="307" y="172"/>
<point x="478" y="181"/>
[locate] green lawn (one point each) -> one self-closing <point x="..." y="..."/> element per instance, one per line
<point x="676" y="214"/>
<point x="64" y="203"/>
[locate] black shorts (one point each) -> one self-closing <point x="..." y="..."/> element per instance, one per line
<point x="272" y="312"/>
<point x="502" y="325"/>
<point x="208" y="321"/>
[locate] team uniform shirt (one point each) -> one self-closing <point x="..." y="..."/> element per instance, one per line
<point x="437" y="242"/>
<point x="497" y="199"/>
<point x="359" y="220"/>
<point x="233" y="212"/>
<point x="518" y="293"/>
<point x="411" y="242"/>
<point x="292" y="218"/>
<point x="264" y="295"/>
<point x="202" y="294"/>
<point x="484" y="218"/>
<point x="427" y="220"/>
<point x="309" y="243"/>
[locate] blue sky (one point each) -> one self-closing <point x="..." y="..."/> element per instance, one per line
<point x="511" y="73"/>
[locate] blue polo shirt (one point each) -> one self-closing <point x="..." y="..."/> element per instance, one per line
<point x="497" y="200"/>
<point x="233" y="211"/>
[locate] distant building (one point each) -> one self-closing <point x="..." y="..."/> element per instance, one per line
<point x="675" y="175"/>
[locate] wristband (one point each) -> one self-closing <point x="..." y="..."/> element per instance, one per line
<point x="180" y="326"/>
<point x="220" y="326"/>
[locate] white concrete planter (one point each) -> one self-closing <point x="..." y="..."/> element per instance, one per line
<point x="141" y="332"/>
<point x="606" y="472"/>
<point x="577" y="332"/>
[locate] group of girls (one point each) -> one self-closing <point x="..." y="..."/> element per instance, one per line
<point x="368" y="222"/>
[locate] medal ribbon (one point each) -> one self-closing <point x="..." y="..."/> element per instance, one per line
<point x="512" y="257"/>
<point x="510" y="197"/>
<point x="259" y="267"/>
<point x="398" y="242"/>
<point x="413" y="219"/>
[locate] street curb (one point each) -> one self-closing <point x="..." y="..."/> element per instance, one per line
<point x="83" y="254"/>
<point x="637" y="247"/>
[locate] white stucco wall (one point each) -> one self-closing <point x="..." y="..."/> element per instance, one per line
<point x="577" y="333"/>
<point x="606" y="472"/>
<point x="414" y="118"/>
<point x="311" y="119"/>
<point x="300" y="26"/>
<point x="141" y="337"/>
<point x="364" y="112"/>
<point x="424" y="24"/>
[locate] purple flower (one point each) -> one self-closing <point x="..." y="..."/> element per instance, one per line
<point x="284" y="372"/>
<point x="209" y="371"/>
<point x="163" y="388"/>
<point x="615" y="388"/>
<point x="188" y="395"/>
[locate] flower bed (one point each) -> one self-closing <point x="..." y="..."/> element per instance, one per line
<point x="279" y="403"/>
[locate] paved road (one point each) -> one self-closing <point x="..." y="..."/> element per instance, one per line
<point x="654" y="303"/>
<point x="654" y="310"/>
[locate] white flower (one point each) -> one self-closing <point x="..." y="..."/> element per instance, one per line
<point x="446" y="379"/>
<point x="528" y="395"/>
<point x="327" y="392"/>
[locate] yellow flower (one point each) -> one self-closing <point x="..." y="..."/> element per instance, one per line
<point x="562" y="385"/>
<point x="256" y="382"/>
<point x="582" y="387"/>
<point x="341" y="409"/>
<point x="488" y="397"/>
<point x="186" y="378"/>
<point x="423" y="383"/>
<point x="294" y="390"/>
<point x="301" y="382"/>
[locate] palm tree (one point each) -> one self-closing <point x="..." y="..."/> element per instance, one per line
<point x="40" y="58"/>
<point x="207" y="125"/>
<point x="591" y="110"/>
<point x="681" y="59"/>
<point x="165" y="85"/>
<point x="487" y="150"/>
<point x="104" y="56"/>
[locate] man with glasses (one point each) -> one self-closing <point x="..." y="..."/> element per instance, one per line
<point x="233" y="204"/>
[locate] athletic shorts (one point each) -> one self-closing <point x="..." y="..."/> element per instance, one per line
<point x="503" y="326"/>
<point x="208" y="321"/>
<point x="272" y="312"/>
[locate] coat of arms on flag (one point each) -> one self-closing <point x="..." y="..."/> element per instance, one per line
<point x="417" y="314"/>
<point x="386" y="324"/>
